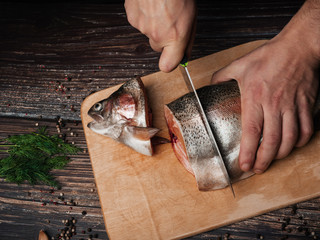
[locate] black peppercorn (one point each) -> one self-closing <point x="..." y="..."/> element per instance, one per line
<point x="287" y="220"/>
<point x="294" y="209"/>
<point x="283" y="226"/>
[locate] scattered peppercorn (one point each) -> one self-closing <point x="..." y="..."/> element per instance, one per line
<point x="294" y="209"/>
<point x="84" y="213"/>
<point x="306" y="232"/>
<point x="287" y="220"/>
<point x="283" y="226"/>
<point x="226" y="236"/>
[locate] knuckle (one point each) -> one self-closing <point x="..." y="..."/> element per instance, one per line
<point x="253" y="129"/>
<point x="132" y="19"/>
<point x="276" y="98"/>
<point x="272" y="139"/>
<point x="291" y="136"/>
<point x="306" y="133"/>
<point x="156" y="35"/>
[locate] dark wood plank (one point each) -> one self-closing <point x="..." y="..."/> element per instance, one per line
<point x="85" y="47"/>
<point x="90" y="46"/>
<point x="25" y="209"/>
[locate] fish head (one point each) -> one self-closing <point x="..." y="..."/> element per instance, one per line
<point x="111" y="115"/>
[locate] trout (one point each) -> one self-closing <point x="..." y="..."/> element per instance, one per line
<point x="191" y="142"/>
<point x="125" y="117"/>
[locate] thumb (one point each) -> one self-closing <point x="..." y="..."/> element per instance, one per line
<point x="225" y="74"/>
<point x="170" y="57"/>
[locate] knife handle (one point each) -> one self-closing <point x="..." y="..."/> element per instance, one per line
<point x="184" y="61"/>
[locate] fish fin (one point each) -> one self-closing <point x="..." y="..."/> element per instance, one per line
<point x="156" y="140"/>
<point x="142" y="133"/>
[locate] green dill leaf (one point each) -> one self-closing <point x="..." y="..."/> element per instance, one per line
<point x="32" y="156"/>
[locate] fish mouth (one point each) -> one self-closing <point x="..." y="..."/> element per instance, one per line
<point x="96" y="117"/>
<point x="90" y="124"/>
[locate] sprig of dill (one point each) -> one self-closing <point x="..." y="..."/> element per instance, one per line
<point x="32" y="156"/>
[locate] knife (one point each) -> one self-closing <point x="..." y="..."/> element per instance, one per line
<point x="190" y="85"/>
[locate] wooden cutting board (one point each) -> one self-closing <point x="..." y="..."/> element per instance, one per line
<point x="156" y="198"/>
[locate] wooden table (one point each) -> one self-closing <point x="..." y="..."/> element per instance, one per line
<point x="53" y="55"/>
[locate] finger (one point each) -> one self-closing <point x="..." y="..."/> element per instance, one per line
<point x="231" y="71"/>
<point x="290" y="134"/>
<point x="171" y="57"/>
<point x="252" y="121"/>
<point x="305" y="122"/>
<point x="155" y="46"/>
<point x="172" y="54"/>
<point x="272" y="129"/>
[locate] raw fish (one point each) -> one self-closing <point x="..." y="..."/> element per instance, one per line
<point x="125" y="117"/>
<point x="191" y="143"/>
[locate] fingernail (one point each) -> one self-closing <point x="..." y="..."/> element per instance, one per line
<point x="245" y="167"/>
<point x="258" y="171"/>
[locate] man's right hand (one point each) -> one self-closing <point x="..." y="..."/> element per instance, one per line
<point x="169" y="25"/>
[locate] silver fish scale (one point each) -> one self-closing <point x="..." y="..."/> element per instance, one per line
<point x="219" y="103"/>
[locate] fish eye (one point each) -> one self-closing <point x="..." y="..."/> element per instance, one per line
<point x="97" y="106"/>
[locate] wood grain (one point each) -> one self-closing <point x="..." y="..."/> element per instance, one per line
<point x="91" y="46"/>
<point x="88" y="47"/>
<point x="22" y="214"/>
<point x="155" y="198"/>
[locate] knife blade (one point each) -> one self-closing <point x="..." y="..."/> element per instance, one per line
<point x="190" y="85"/>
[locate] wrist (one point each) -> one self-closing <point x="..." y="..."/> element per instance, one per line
<point x="303" y="30"/>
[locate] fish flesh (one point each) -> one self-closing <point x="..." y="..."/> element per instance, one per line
<point x="125" y="117"/>
<point x="191" y="142"/>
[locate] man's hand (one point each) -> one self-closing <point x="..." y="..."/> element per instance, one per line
<point x="278" y="84"/>
<point x="169" y="25"/>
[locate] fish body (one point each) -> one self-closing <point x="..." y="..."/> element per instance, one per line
<point x="125" y="117"/>
<point x="191" y="143"/>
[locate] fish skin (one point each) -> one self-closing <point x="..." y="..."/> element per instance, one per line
<point x="222" y="106"/>
<point x="124" y="117"/>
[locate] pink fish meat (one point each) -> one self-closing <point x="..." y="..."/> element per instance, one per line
<point x="191" y="143"/>
<point x="125" y="117"/>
